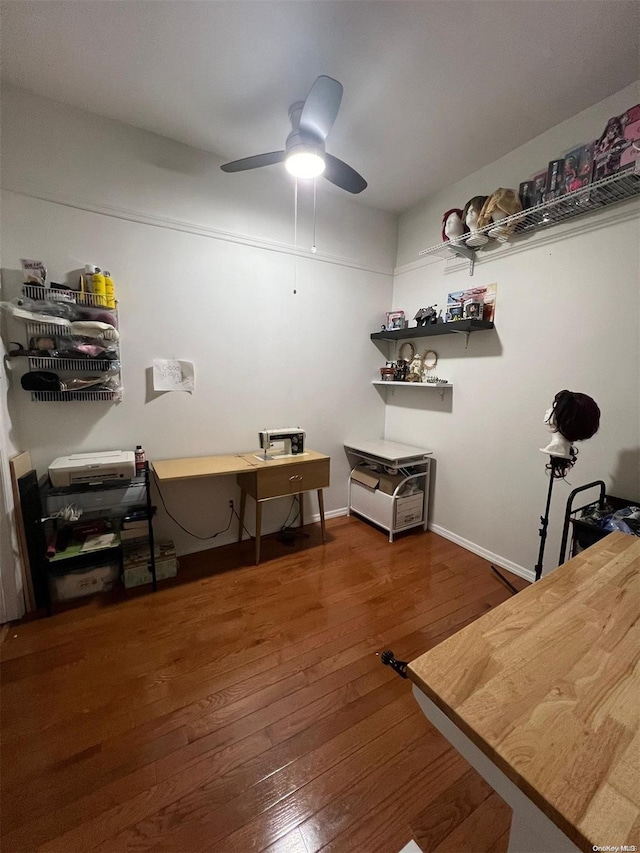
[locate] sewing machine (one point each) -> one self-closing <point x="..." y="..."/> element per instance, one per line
<point x="292" y="439"/>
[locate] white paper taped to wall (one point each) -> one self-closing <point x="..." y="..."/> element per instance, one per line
<point x="171" y="374"/>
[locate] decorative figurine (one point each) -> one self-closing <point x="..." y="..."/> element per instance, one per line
<point x="402" y="368"/>
<point x="473" y="308"/>
<point x="426" y="315"/>
<point x="453" y="226"/>
<point x="471" y="213"/>
<point x="500" y="204"/>
<point x="415" y="369"/>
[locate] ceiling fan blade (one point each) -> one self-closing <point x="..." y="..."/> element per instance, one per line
<point x="254" y="162"/>
<point x="343" y="176"/>
<point x="321" y="107"/>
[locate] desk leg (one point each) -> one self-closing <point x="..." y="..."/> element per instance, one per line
<point x="321" y="508"/>
<point x="301" y="503"/>
<point x="243" y="505"/>
<point x="258" y="529"/>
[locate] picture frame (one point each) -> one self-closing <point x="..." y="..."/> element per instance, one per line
<point x="395" y="320"/>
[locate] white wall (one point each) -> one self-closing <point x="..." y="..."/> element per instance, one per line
<point x="568" y="316"/>
<point x="204" y="269"/>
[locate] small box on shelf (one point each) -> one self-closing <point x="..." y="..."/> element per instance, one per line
<point x="85" y="581"/>
<point x="139" y="575"/>
<point x="136" y="558"/>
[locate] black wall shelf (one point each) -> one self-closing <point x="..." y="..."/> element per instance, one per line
<point x="456" y="327"/>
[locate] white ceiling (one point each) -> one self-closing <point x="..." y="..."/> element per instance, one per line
<point x="432" y="90"/>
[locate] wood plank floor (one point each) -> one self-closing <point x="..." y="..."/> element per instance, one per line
<point x="244" y="708"/>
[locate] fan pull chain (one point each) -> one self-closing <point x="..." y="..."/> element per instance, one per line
<point x="313" y="244"/>
<point x="295" y="238"/>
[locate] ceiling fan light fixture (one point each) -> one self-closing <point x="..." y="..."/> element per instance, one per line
<point x="305" y="164"/>
<point x="304" y="152"/>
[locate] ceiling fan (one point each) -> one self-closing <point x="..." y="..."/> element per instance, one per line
<point x="304" y="154"/>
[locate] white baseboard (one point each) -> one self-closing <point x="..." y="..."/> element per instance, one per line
<point x="500" y="562"/>
<point x="331" y="513"/>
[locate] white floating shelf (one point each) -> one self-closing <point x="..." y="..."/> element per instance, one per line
<point x="387" y="384"/>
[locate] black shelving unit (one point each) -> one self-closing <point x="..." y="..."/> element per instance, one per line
<point x="464" y="327"/>
<point x="84" y="560"/>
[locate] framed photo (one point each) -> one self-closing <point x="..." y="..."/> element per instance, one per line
<point x="395" y="320"/>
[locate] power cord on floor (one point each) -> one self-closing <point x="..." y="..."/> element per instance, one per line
<point x="288" y="533"/>
<point x="181" y="526"/>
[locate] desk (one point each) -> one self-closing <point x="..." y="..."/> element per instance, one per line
<point x="542" y="696"/>
<point x="277" y="478"/>
<point x="263" y="479"/>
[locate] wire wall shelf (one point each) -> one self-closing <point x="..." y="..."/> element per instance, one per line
<point x="76" y="396"/>
<point x="60" y="327"/>
<point x="95" y="300"/>
<point x="48" y="330"/>
<point x="75" y="365"/>
<point x="596" y="196"/>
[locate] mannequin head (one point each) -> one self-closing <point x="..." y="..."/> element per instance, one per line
<point x="572" y="417"/>
<point x="452" y="224"/>
<point x="472" y="211"/>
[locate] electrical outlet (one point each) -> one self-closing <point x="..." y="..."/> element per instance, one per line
<point x="231" y="505"/>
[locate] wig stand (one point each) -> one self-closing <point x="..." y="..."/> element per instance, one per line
<point x="556" y="464"/>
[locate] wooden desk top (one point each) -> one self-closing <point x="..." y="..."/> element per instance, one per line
<point x="219" y="466"/>
<point x="547" y="685"/>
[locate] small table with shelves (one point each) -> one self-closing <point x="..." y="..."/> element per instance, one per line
<point x="384" y="508"/>
<point x="109" y="502"/>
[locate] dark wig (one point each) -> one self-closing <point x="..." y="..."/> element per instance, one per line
<point x="577" y="417"/>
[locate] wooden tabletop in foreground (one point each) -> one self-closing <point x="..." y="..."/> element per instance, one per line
<point x="547" y="685"/>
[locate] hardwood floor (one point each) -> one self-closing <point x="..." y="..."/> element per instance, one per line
<point x="244" y="708"/>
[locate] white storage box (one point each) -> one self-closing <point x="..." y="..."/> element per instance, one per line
<point x="139" y="575"/>
<point x="81" y="582"/>
<point x="409" y="510"/>
<point x="383" y="509"/>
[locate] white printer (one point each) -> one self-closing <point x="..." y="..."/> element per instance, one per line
<point x="92" y="467"/>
